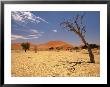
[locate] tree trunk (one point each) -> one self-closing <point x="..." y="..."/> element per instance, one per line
<point x="25" y="50"/>
<point x="90" y="54"/>
<point x="35" y="51"/>
<point x="89" y="49"/>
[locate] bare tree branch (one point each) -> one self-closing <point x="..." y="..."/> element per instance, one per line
<point x="79" y="28"/>
<point x="76" y="26"/>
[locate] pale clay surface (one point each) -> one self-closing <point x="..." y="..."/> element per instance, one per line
<point x="54" y="64"/>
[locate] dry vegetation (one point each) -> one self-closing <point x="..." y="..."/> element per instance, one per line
<point x="54" y="64"/>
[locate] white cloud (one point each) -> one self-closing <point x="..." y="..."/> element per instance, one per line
<point x="32" y="35"/>
<point x="54" y="31"/>
<point x="34" y="31"/>
<point x="14" y="37"/>
<point x="26" y="16"/>
<point x="16" y="16"/>
<point x="35" y="37"/>
<point x="26" y="38"/>
<point x="41" y="19"/>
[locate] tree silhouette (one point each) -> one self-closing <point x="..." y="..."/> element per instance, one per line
<point x="25" y="46"/>
<point x="59" y="48"/>
<point x="76" y="25"/>
<point x="91" y="45"/>
<point x="51" y="48"/>
<point x="76" y="48"/>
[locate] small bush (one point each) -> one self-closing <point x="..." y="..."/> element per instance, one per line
<point x="25" y="46"/>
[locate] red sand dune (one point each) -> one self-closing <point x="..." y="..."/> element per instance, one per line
<point x="44" y="46"/>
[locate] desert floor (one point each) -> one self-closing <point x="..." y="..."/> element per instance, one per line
<point x="54" y="64"/>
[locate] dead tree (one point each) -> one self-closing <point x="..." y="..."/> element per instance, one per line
<point x="76" y="25"/>
<point x="35" y="49"/>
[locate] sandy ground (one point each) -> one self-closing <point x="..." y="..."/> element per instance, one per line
<point x="54" y="64"/>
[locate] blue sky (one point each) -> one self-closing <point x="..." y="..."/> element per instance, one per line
<point x="43" y="26"/>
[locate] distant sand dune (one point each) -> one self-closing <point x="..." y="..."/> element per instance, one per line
<point x="44" y="46"/>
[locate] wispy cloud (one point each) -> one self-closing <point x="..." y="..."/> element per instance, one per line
<point x="42" y="19"/>
<point x="31" y="34"/>
<point x="34" y="31"/>
<point x="14" y="37"/>
<point x="54" y="31"/>
<point x="26" y="17"/>
<point x="35" y="37"/>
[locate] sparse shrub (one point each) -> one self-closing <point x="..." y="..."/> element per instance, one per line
<point x="76" y="48"/>
<point x="25" y="46"/>
<point x="69" y="49"/>
<point x="92" y="46"/>
<point x="84" y="47"/>
<point x="59" y="48"/>
<point x="51" y="48"/>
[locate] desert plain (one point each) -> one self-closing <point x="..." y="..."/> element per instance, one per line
<point x="54" y="64"/>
